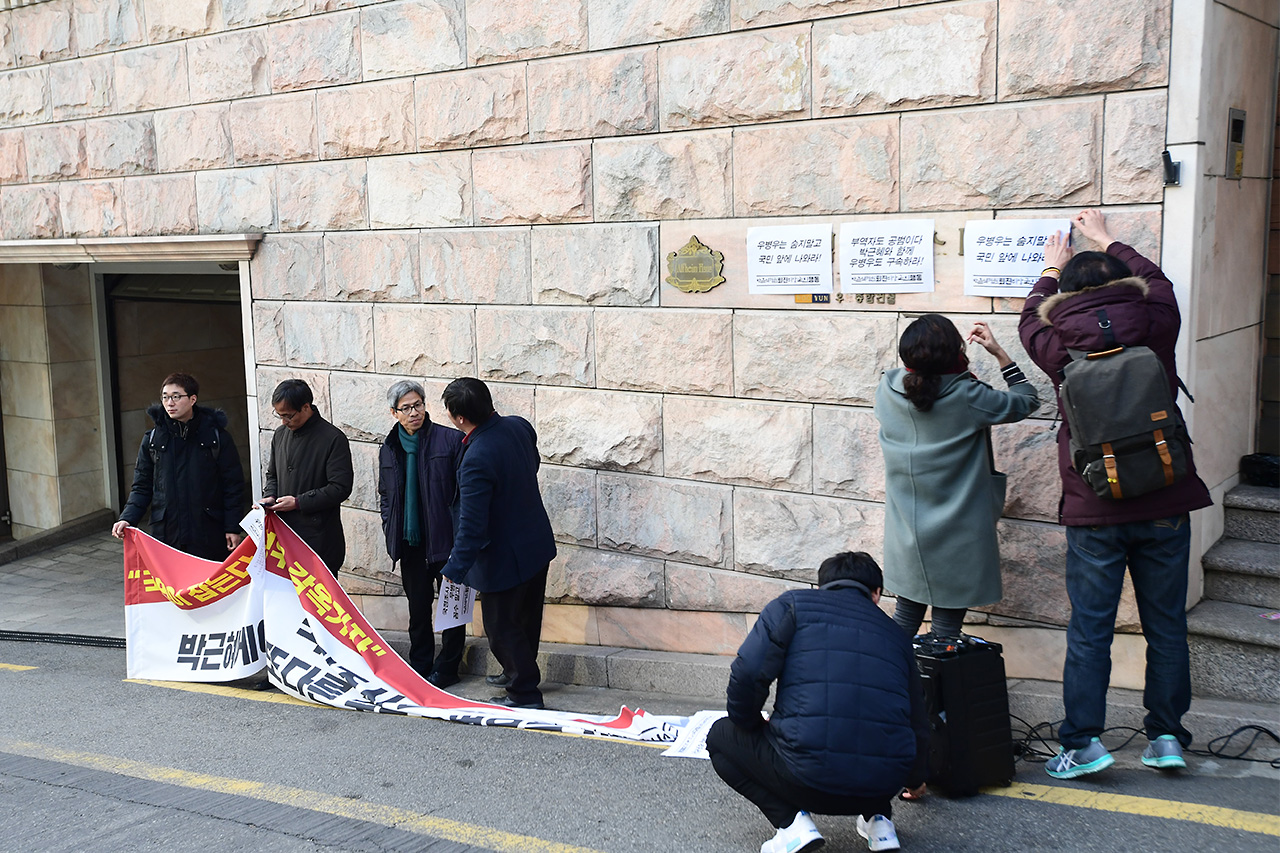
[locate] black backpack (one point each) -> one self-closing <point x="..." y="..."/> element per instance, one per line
<point x="1127" y="436"/>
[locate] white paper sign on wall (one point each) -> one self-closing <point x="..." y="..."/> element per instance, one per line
<point x="887" y="256"/>
<point x="789" y="259"/>
<point x="1004" y="257"/>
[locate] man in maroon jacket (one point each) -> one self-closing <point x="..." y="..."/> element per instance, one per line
<point x="1150" y="535"/>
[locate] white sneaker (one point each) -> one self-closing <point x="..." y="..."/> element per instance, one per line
<point x="879" y="832"/>
<point x="800" y="837"/>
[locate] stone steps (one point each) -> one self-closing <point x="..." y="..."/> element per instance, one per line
<point x="1252" y="512"/>
<point x="1235" y="649"/>
<point x="1243" y="571"/>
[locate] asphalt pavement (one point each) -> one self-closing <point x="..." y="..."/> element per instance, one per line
<point x="92" y="761"/>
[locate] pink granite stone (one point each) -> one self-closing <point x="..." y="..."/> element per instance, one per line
<point x="840" y="166"/>
<point x="288" y="266"/>
<point x="420" y="190"/>
<point x="42" y="32"/>
<point x="755" y="13"/>
<point x="995" y="157"/>
<point x="532" y="184"/>
<point x="1132" y="171"/>
<point x="31" y="212"/>
<point x="229" y="65"/>
<point x="319" y="51"/>
<point x="120" y="146"/>
<point x="892" y="61"/>
<point x="617" y="23"/>
<point x="24" y="96"/>
<point x="149" y="78"/>
<point x="160" y="204"/>
<point x="193" y="138"/>
<point x="55" y="151"/>
<point x="468" y="109"/>
<point x="322" y="196"/>
<point x="412" y="37"/>
<point x="501" y="30"/>
<point x="233" y="201"/>
<point x="372" y="266"/>
<point x="179" y="19"/>
<point x="1112" y="46"/>
<point x="276" y="129"/>
<point x="13" y="157"/>
<point x="245" y="13"/>
<point x="105" y="25"/>
<point x="376" y="118"/>
<point x="82" y="87"/>
<point x="736" y="79"/>
<point x="92" y="208"/>
<point x="594" y="95"/>
<point x="672" y="176"/>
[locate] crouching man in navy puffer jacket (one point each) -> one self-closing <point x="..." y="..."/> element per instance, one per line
<point x="848" y="729"/>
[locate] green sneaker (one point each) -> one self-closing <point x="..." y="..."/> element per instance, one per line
<point x="1165" y="753"/>
<point x="1070" y="763"/>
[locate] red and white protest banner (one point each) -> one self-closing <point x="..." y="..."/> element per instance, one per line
<point x="315" y="643"/>
<point x="188" y="619"/>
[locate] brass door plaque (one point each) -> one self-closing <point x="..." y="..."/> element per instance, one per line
<point x="695" y="268"/>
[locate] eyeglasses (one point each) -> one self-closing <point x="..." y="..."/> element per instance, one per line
<point x="409" y="408"/>
<point x="172" y="398"/>
<point x="286" y="416"/>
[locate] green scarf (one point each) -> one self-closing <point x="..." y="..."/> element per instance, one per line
<point x="412" y="500"/>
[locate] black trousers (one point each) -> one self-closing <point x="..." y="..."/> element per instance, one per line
<point x="513" y="623"/>
<point x="421" y="583"/>
<point x="750" y="764"/>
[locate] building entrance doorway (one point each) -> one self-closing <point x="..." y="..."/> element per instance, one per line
<point x="163" y="323"/>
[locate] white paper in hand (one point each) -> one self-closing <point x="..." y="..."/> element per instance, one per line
<point x="455" y="605"/>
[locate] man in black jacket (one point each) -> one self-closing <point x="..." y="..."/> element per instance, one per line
<point x="502" y="543"/>
<point x="848" y="729"/>
<point x="310" y="473"/>
<point x="188" y="473"/>
<point x="416" y="481"/>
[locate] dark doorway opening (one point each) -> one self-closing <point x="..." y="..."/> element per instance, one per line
<point x="168" y="323"/>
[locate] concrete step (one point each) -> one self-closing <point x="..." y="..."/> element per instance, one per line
<point x="605" y="666"/>
<point x="1252" y="512"/>
<point x="1243" y="571"/>
<point x="1234" y="651"/>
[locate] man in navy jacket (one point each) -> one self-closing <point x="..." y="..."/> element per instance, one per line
<point x="502" y="542"/>
<point x="848" y="729"/>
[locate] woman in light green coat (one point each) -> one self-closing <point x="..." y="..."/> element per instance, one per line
<point x="943" y="494"/>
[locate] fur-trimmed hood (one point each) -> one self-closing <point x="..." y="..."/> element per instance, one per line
<point x="1045" y="308"/>
<point x="215" y="416"/>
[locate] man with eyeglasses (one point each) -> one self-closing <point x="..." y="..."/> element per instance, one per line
<point x="309" y="474"/>
<point x="188" y="474"/>
<point x="416" y="482"/>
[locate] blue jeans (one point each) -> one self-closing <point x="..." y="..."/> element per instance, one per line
<point x="1156" y="554"/>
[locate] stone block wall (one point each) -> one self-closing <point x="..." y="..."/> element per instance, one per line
<point x="498" y="201"/>
<point x="49" y="396"/>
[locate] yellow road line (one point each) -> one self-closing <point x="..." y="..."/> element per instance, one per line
<point x="1265" y="824"/>
<point x="14" y="667"/>
<point x="277" y="696"/>
<point x="390" y="816"/>
<point x="234" y="692"/>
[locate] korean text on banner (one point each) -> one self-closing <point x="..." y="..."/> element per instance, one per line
<point x="887" y="256"/>
<point x="1004" y="257"/>
<point x="789" y="259"/>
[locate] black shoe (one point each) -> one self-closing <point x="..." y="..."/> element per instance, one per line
<point x="508" y="702"/>
<point x="439" y="679"/>
<point x="499" y="680"/>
